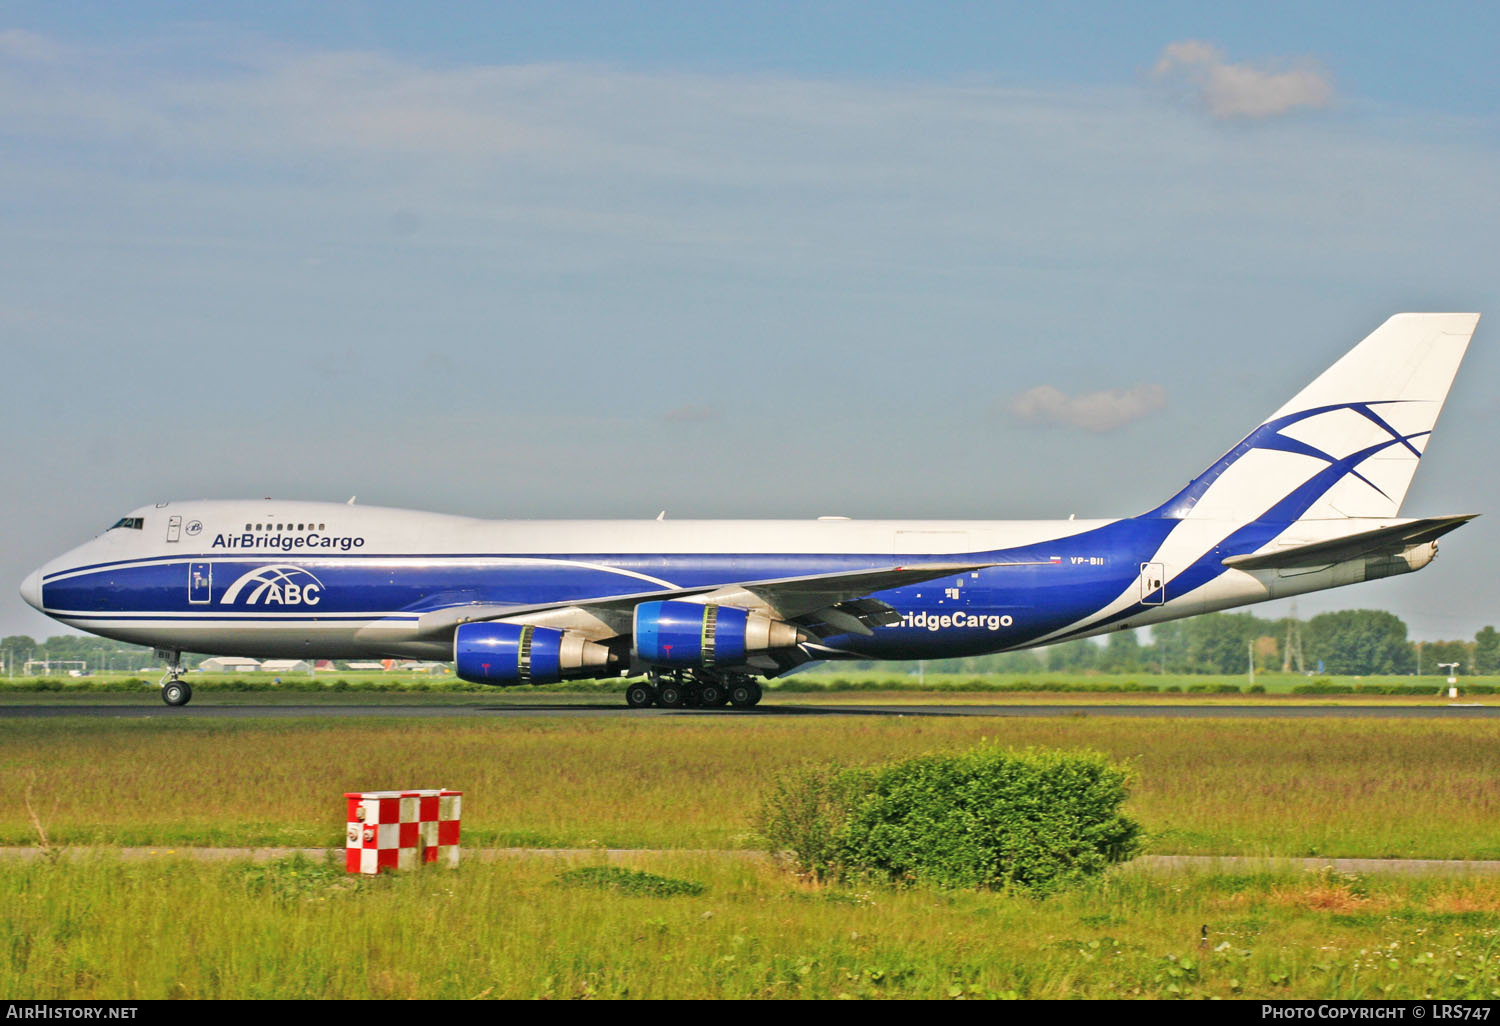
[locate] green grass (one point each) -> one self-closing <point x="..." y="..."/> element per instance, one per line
<point x="1371" y="788"/>
<point x="93" y="925"/>
<point x="103" y="928"/>
<point x="826" y="680"/>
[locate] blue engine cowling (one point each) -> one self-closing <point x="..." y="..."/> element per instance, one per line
<point x="691" y="634"/>
<point x="516" y="653"/>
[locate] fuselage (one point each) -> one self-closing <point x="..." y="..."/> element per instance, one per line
<point x="327" y="580"/>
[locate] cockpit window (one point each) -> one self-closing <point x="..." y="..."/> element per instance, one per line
<point x="134" y="523"/>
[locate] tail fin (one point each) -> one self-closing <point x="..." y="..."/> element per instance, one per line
<point x="1349" y="443"/>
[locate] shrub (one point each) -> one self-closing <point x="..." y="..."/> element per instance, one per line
<point x="991" y="818"/>
<point x="805" y="814"/>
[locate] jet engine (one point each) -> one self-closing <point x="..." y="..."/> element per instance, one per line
<point x="693" y="634"/>
<point x="517" y="653"/>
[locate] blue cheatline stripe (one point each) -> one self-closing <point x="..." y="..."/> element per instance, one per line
<point x="219" y="618"/>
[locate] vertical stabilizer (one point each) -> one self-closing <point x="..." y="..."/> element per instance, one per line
<point x="1349" y="443"/>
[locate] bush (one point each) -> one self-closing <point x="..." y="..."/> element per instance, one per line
<point x="1033" y="820"/>
<point x="805" y="815"/>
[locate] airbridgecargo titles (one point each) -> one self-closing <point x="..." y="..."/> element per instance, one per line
<point x="700" y="610"/>
<point x="285" y="542"/>
<point x="935" y="622"/>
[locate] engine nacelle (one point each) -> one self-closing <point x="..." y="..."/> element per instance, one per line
<point x="517" y="653"/>
<point x="677" y="633"/>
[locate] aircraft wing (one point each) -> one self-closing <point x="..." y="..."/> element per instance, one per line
<point x="825" y="603"/>
<point x="1381" y="541"/>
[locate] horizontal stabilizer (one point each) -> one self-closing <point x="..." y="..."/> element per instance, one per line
<point x="1381" y="541"/>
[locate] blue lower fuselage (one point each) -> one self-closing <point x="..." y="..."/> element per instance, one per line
<point x="254" y="603"/>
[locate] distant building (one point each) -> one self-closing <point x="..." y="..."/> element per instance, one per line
<point x="286" y="666"/>
<point x="229" y="664"/>
<point x="367" y="666"/>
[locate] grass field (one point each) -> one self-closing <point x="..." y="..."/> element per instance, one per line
<point x="1372" y="788"/>
<point x="105" y="929"/>
<point x="92" y="925"/>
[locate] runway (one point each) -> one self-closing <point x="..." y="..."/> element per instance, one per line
<point x="615" y="709"/>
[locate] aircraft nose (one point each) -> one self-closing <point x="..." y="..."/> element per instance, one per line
<point x="31" y="589"/>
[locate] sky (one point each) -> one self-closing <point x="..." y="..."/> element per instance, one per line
<point x="873" y="259"/>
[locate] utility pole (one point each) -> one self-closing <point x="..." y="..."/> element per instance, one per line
<point x="1291" y="648"/>
<point x="1251" y="647"/>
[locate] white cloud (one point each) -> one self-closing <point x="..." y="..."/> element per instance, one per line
<point x="1241" y="90"/>
<point x="1091" y="411"/>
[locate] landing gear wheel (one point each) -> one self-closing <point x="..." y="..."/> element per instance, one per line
<point x="640" y="696"/>
<point x="177" y="692"/>
<point x="743" y="696"/>
<point x="672" y="696"/>
<point x="712" y="694"/>
<point x="758" y="694"/>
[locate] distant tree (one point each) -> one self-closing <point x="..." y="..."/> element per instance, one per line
<point x="1267" y="653"/>
<point x="1074" y="655"/>
<point x="1122" y="653"/>
<point x="1487" y="651"/>
<point x="15" y="650"/>
<point x="1169" y="647"/>
<point x="1359" y="641"/>
<point x="997" y="662"/>
<point x="1212" y="643"/>
<point x="18" y="643"/>
<point x="1435" y="653"/>
<point x="1220" y="642"/>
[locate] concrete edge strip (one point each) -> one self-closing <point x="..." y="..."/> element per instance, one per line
<point x="1234" y="864"/>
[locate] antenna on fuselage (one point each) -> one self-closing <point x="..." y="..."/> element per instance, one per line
<point x="351" y="500"/>
<point x="662" y="515"/>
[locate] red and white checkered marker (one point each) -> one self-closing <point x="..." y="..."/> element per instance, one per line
<point x="401" y="829"/>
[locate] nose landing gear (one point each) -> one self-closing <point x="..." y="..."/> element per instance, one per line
<point x="174" y="690"/>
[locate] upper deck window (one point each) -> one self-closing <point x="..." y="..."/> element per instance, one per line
<point x="134" y="523"/>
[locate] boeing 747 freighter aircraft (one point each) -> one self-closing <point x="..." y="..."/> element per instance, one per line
<point x="1308" y="500"/>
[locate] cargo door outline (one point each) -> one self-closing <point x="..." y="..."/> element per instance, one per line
<point x="1153" y="584"/>
<point x="200" y="583"/>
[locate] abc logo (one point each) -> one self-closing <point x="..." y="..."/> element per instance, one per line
<point x="280" y="585"/>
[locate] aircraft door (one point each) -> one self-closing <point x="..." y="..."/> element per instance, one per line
<point x="174" y="528"/>
<point x="200" y="583"/>
<point x="1153" y="584"/>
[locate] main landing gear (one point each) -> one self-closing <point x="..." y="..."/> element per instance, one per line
<point x="694" y="689"/>
<point x="174" y="690"/>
